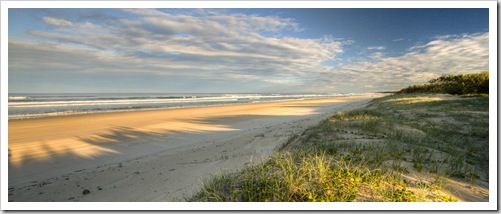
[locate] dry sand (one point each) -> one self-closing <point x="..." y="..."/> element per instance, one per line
<point x="159" y="155"/>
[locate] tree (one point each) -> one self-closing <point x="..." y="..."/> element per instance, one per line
<point x="475" y="83"/>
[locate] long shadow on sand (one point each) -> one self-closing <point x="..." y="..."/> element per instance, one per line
<point x="117" y="139"/>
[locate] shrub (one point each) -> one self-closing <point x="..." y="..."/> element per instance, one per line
<point x="475" y="83"/>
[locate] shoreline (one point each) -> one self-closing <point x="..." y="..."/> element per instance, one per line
<point x="92" y="112"/>
<point x="155" y="155"/>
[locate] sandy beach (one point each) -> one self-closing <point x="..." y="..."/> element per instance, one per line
<point x="157" y="155"/>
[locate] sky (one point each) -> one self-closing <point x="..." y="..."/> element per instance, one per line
<point x="240" y="50"/>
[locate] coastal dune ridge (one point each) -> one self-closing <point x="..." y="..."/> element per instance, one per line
<point x="155" y="155"/>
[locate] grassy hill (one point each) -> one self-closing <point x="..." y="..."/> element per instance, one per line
<point x="401" y="147"/>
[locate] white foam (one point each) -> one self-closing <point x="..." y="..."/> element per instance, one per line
<point x="18" y="97"/>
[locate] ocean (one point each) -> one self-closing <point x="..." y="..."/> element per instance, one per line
<point x="36" y="105"/>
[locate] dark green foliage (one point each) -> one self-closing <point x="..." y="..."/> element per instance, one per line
<point x="476" y="83"/>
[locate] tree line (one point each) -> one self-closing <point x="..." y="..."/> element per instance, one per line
<point x="474" y="83"/>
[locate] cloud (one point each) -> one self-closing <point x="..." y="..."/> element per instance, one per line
<point x="445" y="55"/>
<point x="57" y="22"/>
<point x="379" y="48"/>
<point x="399" y="39"/>
<point x="213" y="46"/>
<point x="38" y="57"/>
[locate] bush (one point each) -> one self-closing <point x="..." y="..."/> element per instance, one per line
<point x="475" y="83"/>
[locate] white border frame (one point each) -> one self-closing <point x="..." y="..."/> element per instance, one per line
<point x="491" y="205"/>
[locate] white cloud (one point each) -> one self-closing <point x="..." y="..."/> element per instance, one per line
<point x="144" y="11"/>
<point x="36" y="57"/>
<point x="379" y="48"/>
<point x="215" y="45"/>
<point x="399" y="39"/>
<point x="444" y="55"/>
<point x="57" y="22"/>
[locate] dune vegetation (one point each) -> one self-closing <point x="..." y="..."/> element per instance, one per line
<point x="474" y="83"/>
<point x="401" y="147"/>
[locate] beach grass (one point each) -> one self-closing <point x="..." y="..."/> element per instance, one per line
<point x="403" y="147"/>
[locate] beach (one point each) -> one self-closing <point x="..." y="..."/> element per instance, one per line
<point x="153" y="155"/>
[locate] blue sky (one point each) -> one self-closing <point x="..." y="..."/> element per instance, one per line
<point x="241" y="50"/>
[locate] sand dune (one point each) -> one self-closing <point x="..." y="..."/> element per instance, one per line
<point x="157" y="155"/>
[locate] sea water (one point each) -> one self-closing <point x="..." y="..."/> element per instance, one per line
<point x="36" y="105"/>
